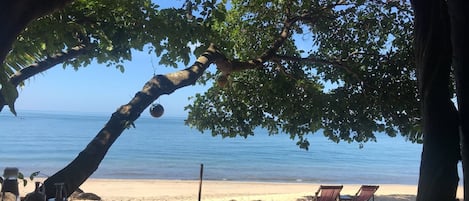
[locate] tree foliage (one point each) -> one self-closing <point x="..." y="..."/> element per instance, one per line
<point x="111" y="28"/>
<point x="345" y="68"/>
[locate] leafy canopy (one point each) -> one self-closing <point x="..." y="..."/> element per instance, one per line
<point x="346" y="71"/>
<point x="346" y="68"/>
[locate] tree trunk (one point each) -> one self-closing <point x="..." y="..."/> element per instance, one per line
<point x="459" y="16"/>
<point x="83" y="166"/>
<point x="438" y="170"/>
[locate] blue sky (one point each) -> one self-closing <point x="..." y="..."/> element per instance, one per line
<point x="100" y="89"/>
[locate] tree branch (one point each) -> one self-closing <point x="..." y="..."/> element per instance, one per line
<point x="48" y="63"/>
<point x="228" y="66"/>
<point x="336" y="63"/>
<point x="76" y="172"/>
<point x="42" y="66"/>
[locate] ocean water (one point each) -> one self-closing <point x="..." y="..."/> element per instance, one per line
<point x="165" y="148"/>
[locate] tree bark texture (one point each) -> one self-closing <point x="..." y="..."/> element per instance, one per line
<point x="84" y="165"/>
<point x="459" y="17"/>
<point x="441" y="153"/>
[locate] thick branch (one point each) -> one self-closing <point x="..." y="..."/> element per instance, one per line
<point x="229" y="66"/>
<point x="75" y="173"/>
<point x="42" y="66"/>
<point x="46" y="64"/>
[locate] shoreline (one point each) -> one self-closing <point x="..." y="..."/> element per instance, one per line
<point x="185" y="190"/>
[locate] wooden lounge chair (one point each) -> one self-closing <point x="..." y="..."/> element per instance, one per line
<point x="365" y="193"/>
<point x="328" y="193"/>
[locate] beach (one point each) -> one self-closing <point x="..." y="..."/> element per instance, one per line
<point x="185" y="190"/>
<point x="161" y="160"/>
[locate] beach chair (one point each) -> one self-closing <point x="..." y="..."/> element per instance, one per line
<point x="365" y="193"/>
<point x="328" y="193"/>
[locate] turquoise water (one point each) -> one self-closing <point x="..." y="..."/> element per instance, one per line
<point x="167" y="149"/>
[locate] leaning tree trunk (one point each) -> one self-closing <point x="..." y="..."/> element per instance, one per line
<point x="75" y="173"/>
<point x="438" y="170"/>
<point x="84" y="165"/>
<point x="459" y="17"/>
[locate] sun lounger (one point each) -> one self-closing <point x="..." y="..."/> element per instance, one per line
<point x="365" y="193"/>
<point x="328" y="193"/>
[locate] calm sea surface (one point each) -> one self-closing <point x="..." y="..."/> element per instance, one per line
<point x="167" y="149"/>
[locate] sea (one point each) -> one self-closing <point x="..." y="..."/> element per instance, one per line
<point x="165" y="148"/>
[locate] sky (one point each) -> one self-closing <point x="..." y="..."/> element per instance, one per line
<point x="100" y="89"/>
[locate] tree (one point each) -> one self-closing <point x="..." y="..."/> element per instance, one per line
<point x="360" y="47"/>
<point x="265" y="76"/>
<point x="440" y="43"/>
<point x="107" y="33"/>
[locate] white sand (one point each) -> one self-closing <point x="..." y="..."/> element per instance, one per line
<point x="166" y="190"/>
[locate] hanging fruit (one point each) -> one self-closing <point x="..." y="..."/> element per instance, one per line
<point x="156" y="110"/>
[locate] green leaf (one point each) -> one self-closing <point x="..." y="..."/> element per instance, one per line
<point x="121" y="68"/>
<point x="20" y="175"/>
<point x="43" y="46"/>
<point x="34" y="174"/>
<point x="9" y="92"/>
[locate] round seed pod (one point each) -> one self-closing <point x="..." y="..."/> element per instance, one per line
<point x="156" y="110"/>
